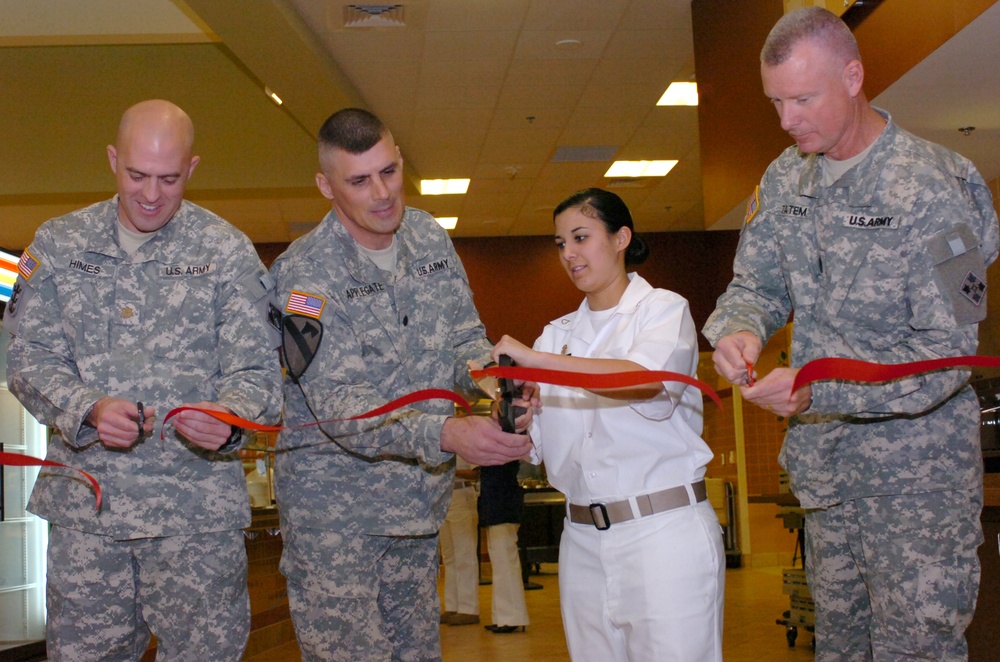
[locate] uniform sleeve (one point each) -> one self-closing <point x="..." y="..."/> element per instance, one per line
<point x="757" y="299"/>
<point x="470" y="342"/>
<point x="665" y="339"/>
<point x="41" y="369"/>
<point x="248" y="337"/>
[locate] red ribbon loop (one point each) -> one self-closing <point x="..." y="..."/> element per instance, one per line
<point x="408" y="399"/>
<point x="17" y="460"/>
<point x="590" y="381"/>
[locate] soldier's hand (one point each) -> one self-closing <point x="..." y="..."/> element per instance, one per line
<point x="735" y="354"/>
<point x="479" y="440"/>
<point x="774" y="393"/>
<point x="201" y="429"/>
<point x="117" y="422"/>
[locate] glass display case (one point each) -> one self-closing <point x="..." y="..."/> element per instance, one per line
<point x="258" y="467"/>
<point x="23" y="537"/>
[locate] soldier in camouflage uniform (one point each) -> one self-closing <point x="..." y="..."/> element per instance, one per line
<point x="381" y="289"/>
<point x="144" y="298"/>
<point x="878" y="241"/>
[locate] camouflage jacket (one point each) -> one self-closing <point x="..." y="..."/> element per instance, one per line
<point x="886" y="265"/>
<point x="183" y="319"/>
<point x="384" y="335"/>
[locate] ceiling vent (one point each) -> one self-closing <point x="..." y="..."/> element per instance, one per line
<point x="373" y="16"/>
<point x="584" y="153"/>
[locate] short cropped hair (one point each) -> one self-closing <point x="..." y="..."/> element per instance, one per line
<point x="354" y="130"/>
<point x="812" y="23"/>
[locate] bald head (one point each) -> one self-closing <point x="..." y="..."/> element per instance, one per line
<point x="158" y="121"/>
<point x="152" y="161"/>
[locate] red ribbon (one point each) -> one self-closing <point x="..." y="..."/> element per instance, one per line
<point x="590" y="381"/>
<point x="17" y="460"/>
<point x="408" y="399"/>
<point x="852" y="370"/>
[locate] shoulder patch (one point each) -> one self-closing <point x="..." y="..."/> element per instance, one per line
<point x="753" y="205"/>
<point x="27" y="265"/>
<point x="303" y="303"/>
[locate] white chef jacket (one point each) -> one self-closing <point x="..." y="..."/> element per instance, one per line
<point x="598" y="449"/>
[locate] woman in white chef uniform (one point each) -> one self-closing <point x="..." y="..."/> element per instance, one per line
<point x="641" y="560"/>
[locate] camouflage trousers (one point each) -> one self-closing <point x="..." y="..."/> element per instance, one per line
<point x="104" y="596"/>
<point x="360" y="598"/>
<point x="894" y="577"/>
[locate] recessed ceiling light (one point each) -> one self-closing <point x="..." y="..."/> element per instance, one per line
<point x="568" y="44"/>
<point x="274" y="97"/>
<point x="443" y="186"/>
<point x="640" y="168"/>
<point x="680" y="94"/>
<point x="447" y="222"/>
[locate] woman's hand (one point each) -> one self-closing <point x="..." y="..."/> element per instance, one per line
<point x="522" y="355"/>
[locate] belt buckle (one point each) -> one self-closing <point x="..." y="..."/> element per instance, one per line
<point x="603" y="514"/>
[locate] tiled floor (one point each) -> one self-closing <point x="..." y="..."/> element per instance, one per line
<point x="753" y="602"/>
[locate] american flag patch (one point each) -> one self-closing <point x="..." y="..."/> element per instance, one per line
<point x="302" y="303"/>
<point x="27" y="265"/>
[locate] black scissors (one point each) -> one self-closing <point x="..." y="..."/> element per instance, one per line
<point x="509" y="412"/>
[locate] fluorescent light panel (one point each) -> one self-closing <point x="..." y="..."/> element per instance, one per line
<point x="640" y="168"/>
<point x="447" y="222"/>
<point x="443" y="186"/>
<point x="680" y="94"/>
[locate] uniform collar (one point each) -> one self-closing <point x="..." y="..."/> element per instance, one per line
<point x="633" y="295"/>
<point x="360" y="267"/>
<point x="162" y="247"/>
<point x="862" y="181"/>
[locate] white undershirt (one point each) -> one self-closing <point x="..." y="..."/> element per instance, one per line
<point x="834" y="169"/>
<point x="384" y="258"/>
<point x="131" y="240"/>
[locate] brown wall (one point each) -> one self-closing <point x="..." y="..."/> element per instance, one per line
<point x="738" y="130"/>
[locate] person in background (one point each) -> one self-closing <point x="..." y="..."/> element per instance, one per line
<point x="878" y="241"/>
<point x="126" y="308"/>
<point x="641" y="562"/>
<point x="501" y="509"/>
<point x="460" y="549"/>
<point x="387" y="306"/>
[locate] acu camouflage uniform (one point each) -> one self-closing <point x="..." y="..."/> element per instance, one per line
<point x="183" y="319"/>
<point x="361" y="503"/>
<point x="886" y="265"/>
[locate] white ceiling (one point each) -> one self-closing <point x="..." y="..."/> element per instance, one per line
<point x="470" y="88"/>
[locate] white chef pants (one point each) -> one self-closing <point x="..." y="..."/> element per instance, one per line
<point x="459" y="540"/>
<point x="509" y="607"/>
<point x="647" y="589"/>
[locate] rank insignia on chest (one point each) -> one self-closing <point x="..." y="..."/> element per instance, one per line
<point x="973" y="288"/>
<point x="753" y="205"/>
<point x="303" y="303"/>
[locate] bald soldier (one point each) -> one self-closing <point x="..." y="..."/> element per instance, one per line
<point x="121" y="312"/>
